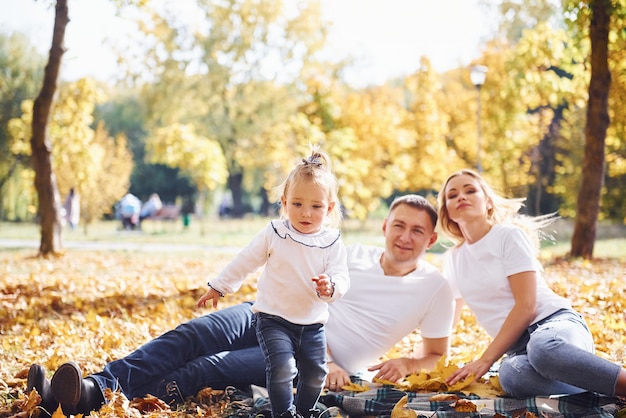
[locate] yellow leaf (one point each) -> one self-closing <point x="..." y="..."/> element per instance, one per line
<point x="59" y="413"/>
<point x="400" y="411"/>
<point x="354" y="387"/>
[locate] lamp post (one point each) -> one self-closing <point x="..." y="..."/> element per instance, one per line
<point x="478" y="73"/>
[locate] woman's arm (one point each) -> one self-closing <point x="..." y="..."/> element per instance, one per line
<point x="524" y="289"/>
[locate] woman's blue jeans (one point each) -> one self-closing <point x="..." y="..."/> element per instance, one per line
<point x="292" y="351"/>
<point x="216" y="350"/>
<point x="556" y="357"/>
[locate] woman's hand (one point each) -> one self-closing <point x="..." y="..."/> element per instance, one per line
<point x="476" y="368"/>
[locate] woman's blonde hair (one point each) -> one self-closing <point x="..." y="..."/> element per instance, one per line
<point x="502" y="211"/>
<point x="316" y="168"/>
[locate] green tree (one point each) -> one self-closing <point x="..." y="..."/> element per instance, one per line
<point x="614" y="201"/>
<point x="20" y="76"/>
<point x="125" y="115"/>
<point x="551" y="76"/>
<point x="367" y="135"/>
<point x="429" y="150"/>
<point x="520" y="15"/>
<point x="235" y="77"/>
<point x="111" y="163"/>
<point x="200" y="158"/>
<point x="83" y="159"/>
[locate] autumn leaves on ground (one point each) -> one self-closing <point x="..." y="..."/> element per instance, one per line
<point x="94" y="307"/>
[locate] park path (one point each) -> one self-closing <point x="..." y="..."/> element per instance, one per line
<point x="118" y="246"/>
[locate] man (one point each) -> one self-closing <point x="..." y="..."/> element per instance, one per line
<point x="393" y="292"/>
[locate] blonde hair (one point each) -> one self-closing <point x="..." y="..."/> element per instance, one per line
<point x="316" y="168"/>
<point x="502" y="211"/>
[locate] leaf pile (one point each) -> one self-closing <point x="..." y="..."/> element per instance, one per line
<point x="95" y="307"/>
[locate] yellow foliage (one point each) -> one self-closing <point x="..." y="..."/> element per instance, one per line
<point x="200" y="158"/>
<point x="97" y="166"/>
<point x="435" y="380"/>
<point x="58" y="413"/>
<point x="95" y="307"/>
<point x="354" y="387"/>
<point x="400" y="411"/>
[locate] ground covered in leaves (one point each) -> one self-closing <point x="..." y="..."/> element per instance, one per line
<point x="95" y="307"/>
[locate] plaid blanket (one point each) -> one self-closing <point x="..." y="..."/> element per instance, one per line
<point x="380" y="402"/>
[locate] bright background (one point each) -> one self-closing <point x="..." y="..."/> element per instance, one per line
<point x="387" y="37"/>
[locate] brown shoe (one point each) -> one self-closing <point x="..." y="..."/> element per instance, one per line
<point x="75" y="394"/>
<point x="37" y="380"/>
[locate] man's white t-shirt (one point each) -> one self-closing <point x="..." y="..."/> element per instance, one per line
<point x="479" y="274"/>
<point x="380" y="310"/>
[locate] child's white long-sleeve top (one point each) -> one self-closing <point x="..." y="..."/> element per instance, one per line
<point x="291" y="260"/>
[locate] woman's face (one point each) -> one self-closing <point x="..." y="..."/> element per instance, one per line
<point x="465" y="199"/>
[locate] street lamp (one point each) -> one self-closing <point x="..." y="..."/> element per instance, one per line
<point x="477" y="75"/>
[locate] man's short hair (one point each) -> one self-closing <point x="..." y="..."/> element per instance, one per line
<point x="418" y="202"/>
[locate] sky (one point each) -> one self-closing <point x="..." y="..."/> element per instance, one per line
<point x="387" y="37"/>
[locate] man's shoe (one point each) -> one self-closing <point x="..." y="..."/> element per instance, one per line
<point x="37" y="380"/>
<point x="75" y="394"/>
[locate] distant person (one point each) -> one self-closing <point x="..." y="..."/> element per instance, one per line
<point x="187" y="210"/>
<point x="226" y="204"/>
<point x="130" y="207"/>
<point x="493" y="267"/>
<point x="305" y="268"/>
<point x="151" y="207"/>
<point x="71" y="207"/>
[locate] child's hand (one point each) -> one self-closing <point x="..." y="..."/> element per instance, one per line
<point x="212" y="294"/>
<point x="324" y="286"/>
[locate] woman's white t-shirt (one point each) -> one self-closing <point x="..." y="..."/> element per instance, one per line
<point x="479" y="274"/>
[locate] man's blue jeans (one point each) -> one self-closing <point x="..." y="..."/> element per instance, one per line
<point x="556" y="357"/>
<point x="292" y="351"/>
<point x="216" y="350"/>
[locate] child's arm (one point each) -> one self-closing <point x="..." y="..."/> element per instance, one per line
<point x="249" y="259"/>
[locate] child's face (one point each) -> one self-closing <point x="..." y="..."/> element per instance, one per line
<point x="306" y="205"/>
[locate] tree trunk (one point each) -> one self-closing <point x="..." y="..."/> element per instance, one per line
<point x="588" y="204"/>
<point x="235" y="185"/>
<point x="45" y="182"/>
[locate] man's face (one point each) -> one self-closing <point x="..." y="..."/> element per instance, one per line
<point x="408" y="232"/>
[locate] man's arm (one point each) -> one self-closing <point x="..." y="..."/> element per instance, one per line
<point x="429" y="353"/>
<point x="458" y="308"/>
<point x="337" y="377"/>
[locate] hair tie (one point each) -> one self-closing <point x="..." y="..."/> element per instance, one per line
<point x="317" y="161"/>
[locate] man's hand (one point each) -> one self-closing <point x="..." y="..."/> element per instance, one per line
<point x="394" y="370"/>
<point x="337" y="378"/>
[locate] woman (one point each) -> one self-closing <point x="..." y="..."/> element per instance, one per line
<point x="494" y="268"/>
